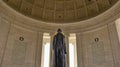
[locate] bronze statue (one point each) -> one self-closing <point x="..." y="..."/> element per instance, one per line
<point x="59" y="48"/>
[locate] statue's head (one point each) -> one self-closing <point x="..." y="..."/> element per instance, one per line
<point x="59" y="30"/>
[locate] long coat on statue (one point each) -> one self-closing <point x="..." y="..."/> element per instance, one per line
<point x="59" y="48"/>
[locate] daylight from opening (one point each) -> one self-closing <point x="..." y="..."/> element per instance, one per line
<point x="71" y="54"/>
<point x="46" y="54"/>
<point x="72" y="51"/>
<point x="45" y="59"/>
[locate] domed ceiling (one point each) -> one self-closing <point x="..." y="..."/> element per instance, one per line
<point x="60" y="11"/>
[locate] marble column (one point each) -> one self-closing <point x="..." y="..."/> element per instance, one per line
<point x="4" y="33"/>
<point x="79" y="50"/>
<point x="115" y="44"/>
<point x="67" y="47"/>
<point x="39" y="50"/>
<point x="51" y="48"/>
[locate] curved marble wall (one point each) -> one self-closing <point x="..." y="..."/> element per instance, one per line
<point x="104" y="53"/>
<point x="16" y="52"/>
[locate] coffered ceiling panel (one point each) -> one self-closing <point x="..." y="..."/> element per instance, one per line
<point x="15" y="3"/>
<point x="37" y="12"/>
<point x="26" y="8"/>
<point x="81" y="13"/>
<point x="48" y="15"/>
<point x="59" y="16"/>
<point x="60" y="11"/>
<point x="92" y="9"/>
<point x="59" y="6"/>
<point x="39" y="3"/>
<point x="80" y="3"/>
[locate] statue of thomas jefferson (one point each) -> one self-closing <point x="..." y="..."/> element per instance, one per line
<point x="59" y="48"/>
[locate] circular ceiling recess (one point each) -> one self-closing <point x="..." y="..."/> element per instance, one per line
<point x="60" y="11"/>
